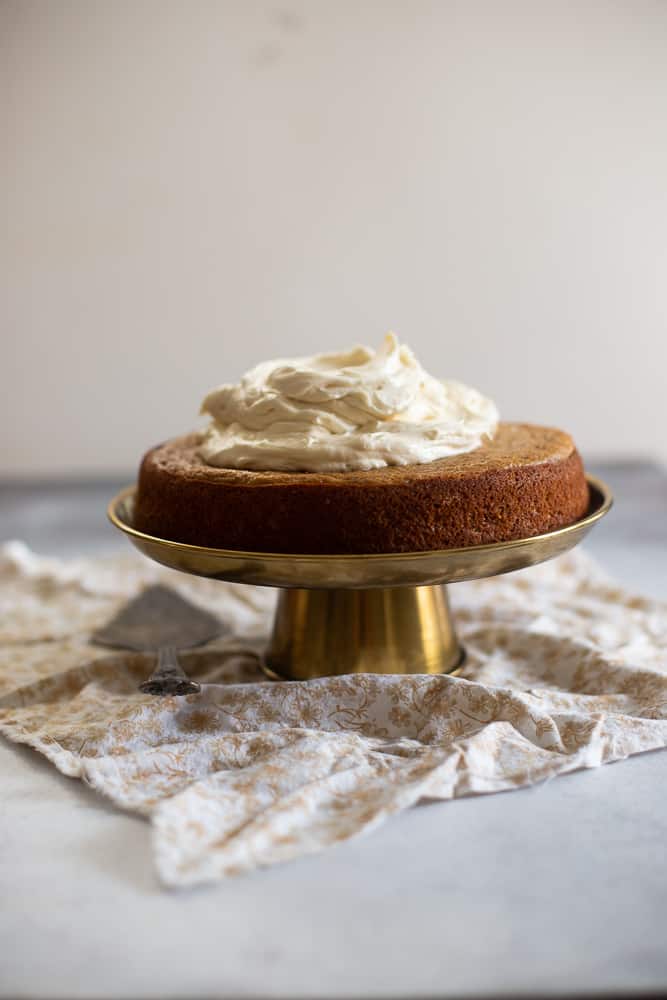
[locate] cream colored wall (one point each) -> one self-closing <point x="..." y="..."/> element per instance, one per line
<point x="195" y="186"/>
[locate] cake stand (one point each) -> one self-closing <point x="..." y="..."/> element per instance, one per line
<point x="350" y="614"/>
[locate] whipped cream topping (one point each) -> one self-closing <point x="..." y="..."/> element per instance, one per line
<point x="357" y="409"/>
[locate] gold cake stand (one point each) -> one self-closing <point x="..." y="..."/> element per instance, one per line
<point x="361" y="613"/>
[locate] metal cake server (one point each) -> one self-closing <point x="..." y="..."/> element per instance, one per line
<point x="161" y="620"/>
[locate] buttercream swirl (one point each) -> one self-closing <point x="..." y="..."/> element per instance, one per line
<point x="357" y="409"/>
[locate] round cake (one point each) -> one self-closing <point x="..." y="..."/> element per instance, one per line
<point x="356" y="452"/>
<point x="523" y="481"/>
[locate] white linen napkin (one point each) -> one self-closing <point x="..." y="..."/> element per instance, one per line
<point x="565" y="670"/>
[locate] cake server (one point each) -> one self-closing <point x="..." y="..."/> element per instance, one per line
<point x="160" y="620"/>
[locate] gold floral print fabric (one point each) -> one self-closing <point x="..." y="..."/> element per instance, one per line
<point x="565" y="670"/>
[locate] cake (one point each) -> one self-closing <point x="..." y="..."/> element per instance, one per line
<point x="357" y="453"/>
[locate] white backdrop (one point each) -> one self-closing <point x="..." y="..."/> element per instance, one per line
<point x="195" y="186"/>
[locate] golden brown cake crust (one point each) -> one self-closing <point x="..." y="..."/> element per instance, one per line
<point x="526" y="481"/>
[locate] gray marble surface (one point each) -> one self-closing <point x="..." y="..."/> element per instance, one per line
<point x="559" y="889"/>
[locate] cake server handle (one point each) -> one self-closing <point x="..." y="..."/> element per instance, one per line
<point x="169" y="678"/>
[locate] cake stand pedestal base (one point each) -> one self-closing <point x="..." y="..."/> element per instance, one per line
<point x="317" y="633"/>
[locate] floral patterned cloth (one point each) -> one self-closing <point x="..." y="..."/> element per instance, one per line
<point x="565" y="670"/>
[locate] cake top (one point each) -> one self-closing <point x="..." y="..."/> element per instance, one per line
<point x="358" y="409"/>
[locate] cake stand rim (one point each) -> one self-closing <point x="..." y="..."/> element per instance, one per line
<point x="583" y="524"/>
